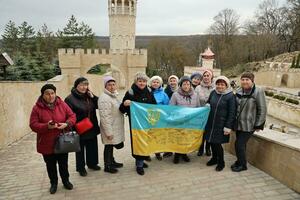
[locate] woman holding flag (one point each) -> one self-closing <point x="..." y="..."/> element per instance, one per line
<point x="160" y="96"/>
<point x="139" y="92"/>
<point x="185" y="96"/>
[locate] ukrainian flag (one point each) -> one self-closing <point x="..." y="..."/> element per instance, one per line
<point x="166" y="128"/>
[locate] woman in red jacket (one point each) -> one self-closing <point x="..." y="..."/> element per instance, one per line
<point x="49" y="117"/>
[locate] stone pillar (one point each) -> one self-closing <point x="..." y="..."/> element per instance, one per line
<point x="116" y="6"/>
<point x="134" y="7"/>
<point x="130" y="10"/>
<point x="123" y="7"/>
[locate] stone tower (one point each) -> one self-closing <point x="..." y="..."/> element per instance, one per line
<point x="207" y="59"/>
<point x="125" y="61"/>
<point x="122" y="17"/>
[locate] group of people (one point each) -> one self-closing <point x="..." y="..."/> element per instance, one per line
<point x="243" y="111"/>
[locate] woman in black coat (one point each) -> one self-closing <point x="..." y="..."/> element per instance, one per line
<point x="220" y="121"/>
<point x="84" y="104"/>
<point x="139" y="92"/>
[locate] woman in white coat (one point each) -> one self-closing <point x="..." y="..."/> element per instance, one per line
<point x="111" y="124"/>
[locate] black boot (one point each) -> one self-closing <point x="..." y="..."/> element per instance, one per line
<point x="235" y="164"/>
<point x="176" y="158"/>
<point x="212" y="161"/>
<point x="239" y="168"/>
<point x="207" y="148"/>
<point x="145" y="165"/>
<point x="95" y="167"/>
<point x="82" y="172"/>
<point x="68" y="185"/>
<point x="220" y="166"/>
<point x="185" y="158"/>
<point x="200" y="152"/>
<point x="116" y="164"/>
<point x="53" y="188"/>
<point x="208" y="152"/>
<point x="110" y="169"/>
<point x="158" y="156"/>
<point x="140" y="171"/>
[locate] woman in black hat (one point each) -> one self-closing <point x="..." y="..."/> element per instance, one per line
<point x="49" y="116"/>
<point x="84" y="103"/>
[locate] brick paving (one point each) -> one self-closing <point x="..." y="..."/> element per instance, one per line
<point x="23" y="176"/>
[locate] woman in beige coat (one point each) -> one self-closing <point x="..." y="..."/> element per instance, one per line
<point x="111" y="124"/>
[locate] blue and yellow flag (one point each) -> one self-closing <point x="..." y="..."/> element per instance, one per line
<point x="161" y="128"/>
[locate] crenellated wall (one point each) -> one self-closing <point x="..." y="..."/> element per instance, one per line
<point x="77" y="62"/>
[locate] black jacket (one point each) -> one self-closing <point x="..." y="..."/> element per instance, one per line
<point x="222" y="115"/>
<point x="137" y="95"/>
<point x="83" y="106"/>
<point x="169" y="91"/>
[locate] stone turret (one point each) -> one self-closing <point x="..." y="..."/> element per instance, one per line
<point x="122" y="18"/>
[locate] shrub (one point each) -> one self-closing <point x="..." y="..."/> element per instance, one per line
<point x="293" y="101"/>
<point x="269" y="93"/>
<point x="279" y="97"/>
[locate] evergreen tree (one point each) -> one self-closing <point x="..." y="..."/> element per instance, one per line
<point x="76" y="35"/>
<point x="46" y="43"/>
<point x="10" y="38"/>
<point x="27" y="38"/>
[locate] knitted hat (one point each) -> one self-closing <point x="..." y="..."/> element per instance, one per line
<point x="173" y="76"/>
<point x="48" y="86"/>
<point x="223" y="78"/>
<point x="210" y="72"/>
<point x="196" y="75"/>
<point x="107" y="79"/>
<point x="183" y="79"/>
<point x="249" y="75"/>
<point x="140" y="75"/>
<point x="156" y="78"/>
<point x="80" y="80"/>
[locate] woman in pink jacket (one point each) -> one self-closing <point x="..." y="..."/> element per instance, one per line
<point x="49" y="117"/>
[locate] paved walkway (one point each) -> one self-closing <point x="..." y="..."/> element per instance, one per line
<point x="23" y="176"/>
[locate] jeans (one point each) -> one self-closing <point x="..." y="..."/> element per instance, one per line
<point x="139" y="163"/>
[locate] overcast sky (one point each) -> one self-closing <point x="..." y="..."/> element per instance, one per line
<point x="154" y="17"/>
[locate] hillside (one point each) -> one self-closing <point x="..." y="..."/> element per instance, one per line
<point x="256" y="66"/>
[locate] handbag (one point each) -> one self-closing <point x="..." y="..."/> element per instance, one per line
<point x="84" y="125"/>
<point x="67" y="142"/>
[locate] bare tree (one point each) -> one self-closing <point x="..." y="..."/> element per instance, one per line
<point x="226" y="23"/>
<point x="269" y="17"/>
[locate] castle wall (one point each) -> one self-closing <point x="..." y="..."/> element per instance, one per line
<point x="278" y="77"/>
<point x="17" y="100"/>
<point x="125" y="62"/>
